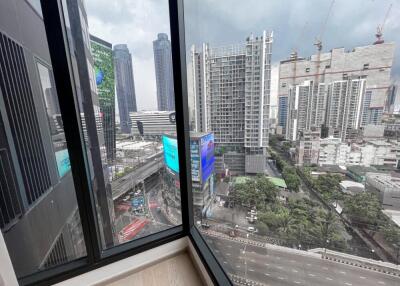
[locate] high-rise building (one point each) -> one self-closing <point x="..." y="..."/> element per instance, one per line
<point x="39" y="216"/>
<point x="352" y="86"/>
<point x="164" y="76"/>
<point x="105" y="82"/>
<point x="125" y="85"/>
<point x="231" y="87"/>
<point x="393" y="100"/>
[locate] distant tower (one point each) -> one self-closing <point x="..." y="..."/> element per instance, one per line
<point x="164" y="77"/>
<point x="125" y="85"/>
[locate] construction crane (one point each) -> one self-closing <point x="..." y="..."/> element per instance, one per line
<point x="294" y="54"/>
<point x="318" y="42"/>
<point x="379" y="29"/>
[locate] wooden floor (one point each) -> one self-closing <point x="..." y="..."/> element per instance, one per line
<point x="178" y="270"/>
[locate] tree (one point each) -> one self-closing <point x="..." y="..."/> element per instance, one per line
<point x="286" y="146"/>
<point x="291" y="178"/>
<point x="391" y="233"/>
<point x="363" y="208"/>
<point x="267" y="192"/>
<point x="326" y="229"/>
<point x="273" y="141"/>
<point x="255" y="193"/>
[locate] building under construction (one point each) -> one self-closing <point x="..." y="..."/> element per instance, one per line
<point x="343" y="90"/>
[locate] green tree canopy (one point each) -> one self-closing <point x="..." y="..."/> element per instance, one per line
<point x="363" y="208"/>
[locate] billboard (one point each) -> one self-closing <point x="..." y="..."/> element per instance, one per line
<point x="195" y="160"/>
<point x="63" y="163"/>
<point x="171" y="153"/>
<point x="201" y="156"/>
<point x="207" y="156"/>
<point x="104" y="72"/>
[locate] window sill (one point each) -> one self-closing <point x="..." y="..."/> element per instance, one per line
<point x="136" y="263"/>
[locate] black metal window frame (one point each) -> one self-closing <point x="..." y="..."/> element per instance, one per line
<point x="53" y="17"/>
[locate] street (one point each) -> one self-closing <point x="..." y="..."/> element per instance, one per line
<point x="276" y="267"/>
<point x="122" y="185"/>
<point x="271" y="169"/>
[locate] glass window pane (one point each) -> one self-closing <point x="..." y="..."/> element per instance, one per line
<point x="303" y="112"/>
<point x="39" y="215"/>
<point x="121" y="55"/>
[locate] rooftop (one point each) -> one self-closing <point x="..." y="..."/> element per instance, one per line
<point x="394" y="215"/>
<point x="385" y="179"/>
<point x="278" y="182"/>
<point x="351" y="184"/>
<point x="133" y="145"/>
<point x="360" y="170"/>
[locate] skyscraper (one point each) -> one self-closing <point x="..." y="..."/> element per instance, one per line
<point x="231" y="86"/>
<point x="104" y="72"/>
<point x="38" y="210"/>
<point x="125" y="85"/>
<point x="164" y="76"/>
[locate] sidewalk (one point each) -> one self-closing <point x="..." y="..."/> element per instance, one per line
<point x="229" y="215"/>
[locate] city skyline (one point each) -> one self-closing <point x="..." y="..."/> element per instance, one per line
<point x="287" y="24"/>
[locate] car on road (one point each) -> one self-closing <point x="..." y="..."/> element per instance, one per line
<point x="252" y="229"/>
<point x="205" y="225"/>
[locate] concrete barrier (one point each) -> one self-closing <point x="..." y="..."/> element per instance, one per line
<point x="238" y="280"/>
<point x="357" y="261"/>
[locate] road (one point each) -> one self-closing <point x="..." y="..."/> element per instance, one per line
<point x="153" y="203"/>
<point x="122" y="185"/>
<point x="272" y="170"/>
<point x="283" y="268"/>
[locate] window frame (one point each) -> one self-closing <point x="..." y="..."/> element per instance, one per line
<point x="54" y="22"/>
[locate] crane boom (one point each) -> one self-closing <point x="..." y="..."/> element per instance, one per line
<point x="379" y="29"/>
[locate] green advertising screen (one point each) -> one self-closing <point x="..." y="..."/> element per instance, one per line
<point x="104" y="72"/>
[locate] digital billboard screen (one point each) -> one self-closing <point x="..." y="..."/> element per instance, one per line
<point x="195" y="160"/>
<point x="63" y="163"/>
<point x="104" y="72"/>
<point x="170" y="146"/>
<point x="207" y="156"/>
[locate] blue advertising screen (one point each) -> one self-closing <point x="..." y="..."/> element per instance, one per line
<point x="207" y="156"/>
<point x="63" y="164"/>
<point x="171" y="153"/>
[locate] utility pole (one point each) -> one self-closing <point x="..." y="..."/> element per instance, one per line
<point x="245" y="259"/>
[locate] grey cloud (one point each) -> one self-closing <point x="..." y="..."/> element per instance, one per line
<point x="137" y="22"/>
<point x="351" y="23"/>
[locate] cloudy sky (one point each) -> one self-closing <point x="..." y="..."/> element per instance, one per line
<point x="295" y="23"/>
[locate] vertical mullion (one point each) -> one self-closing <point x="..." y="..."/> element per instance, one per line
<point x="57" y="41"/>
<point x="181" y="109"/>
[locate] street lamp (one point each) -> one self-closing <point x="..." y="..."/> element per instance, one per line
<point x="326" y="245"/>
